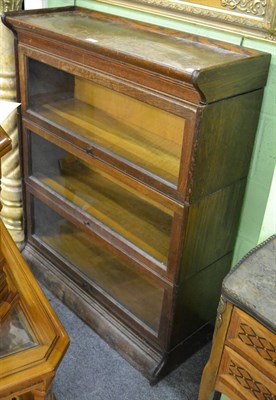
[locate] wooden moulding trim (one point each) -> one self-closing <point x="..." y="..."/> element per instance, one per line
<point x="98" y="64"/>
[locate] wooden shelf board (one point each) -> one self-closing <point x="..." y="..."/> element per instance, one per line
<point x="153" y="152"/>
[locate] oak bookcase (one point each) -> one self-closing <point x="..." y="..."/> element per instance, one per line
<point x="136" y="144"/>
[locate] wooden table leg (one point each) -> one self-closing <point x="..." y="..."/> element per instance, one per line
<point x="209" y="376"/>
<point x="41" y="395"/>
<point x="44" y="392"/>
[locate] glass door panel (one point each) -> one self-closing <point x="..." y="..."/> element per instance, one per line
<point x="137" y="132"/>
<point x="141" y="221"/>
<point x="135" y="292"/>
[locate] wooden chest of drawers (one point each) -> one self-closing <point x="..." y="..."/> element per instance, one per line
<point x="136" y="142"/>
<point x="242" y="364"/>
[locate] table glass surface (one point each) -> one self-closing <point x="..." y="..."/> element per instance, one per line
<point x="15" y="333"/>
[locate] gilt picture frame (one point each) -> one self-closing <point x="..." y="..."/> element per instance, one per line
<point x="250" y="18"/>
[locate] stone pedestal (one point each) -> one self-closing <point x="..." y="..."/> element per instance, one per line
<point x="11" y="193"/>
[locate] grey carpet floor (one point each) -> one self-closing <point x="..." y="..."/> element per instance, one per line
<point x="91" y="370"/>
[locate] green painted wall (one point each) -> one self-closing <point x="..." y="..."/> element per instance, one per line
<point x="61" y="3"/>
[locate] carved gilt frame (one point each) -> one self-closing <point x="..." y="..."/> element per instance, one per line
<point x="251" y="18"/>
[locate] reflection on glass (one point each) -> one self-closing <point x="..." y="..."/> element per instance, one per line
<point x="138" y="132"/>
<point x="136" y="293"/>
<point x="15" y="333"/>
<point x="124" y="210"/>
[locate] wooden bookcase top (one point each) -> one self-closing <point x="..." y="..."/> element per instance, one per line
<point x="215" y="69"/>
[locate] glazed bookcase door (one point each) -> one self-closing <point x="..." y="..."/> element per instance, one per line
<point x="140" y="300"/>
<point x="145" y="224"/>
<point x="145" y="138"/>
<point x="132" y="222"/>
